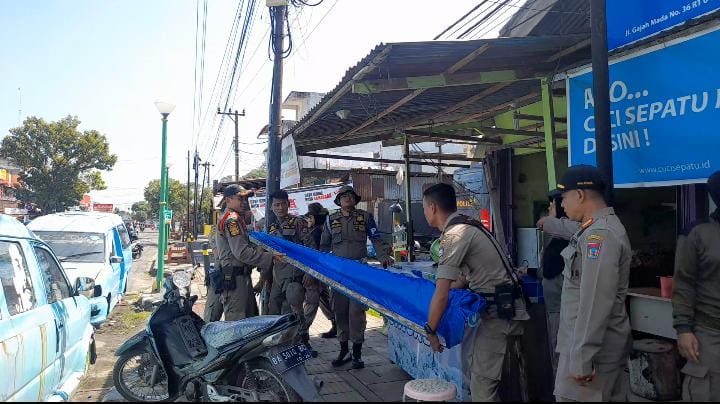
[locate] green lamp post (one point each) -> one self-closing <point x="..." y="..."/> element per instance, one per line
<point x="165" y="110"/>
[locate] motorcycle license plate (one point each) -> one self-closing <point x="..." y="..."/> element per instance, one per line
<point x="290" y="357"/>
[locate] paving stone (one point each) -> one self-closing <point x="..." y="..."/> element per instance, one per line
<point x="374" y="360"/>
<point x="343" y="397"/>
<point x="391" y="391"/>
<point x="319" y="368"/>
<point x="336" y="388"/>
<point x="380" y="374"/>
<point x="329" y="377"/>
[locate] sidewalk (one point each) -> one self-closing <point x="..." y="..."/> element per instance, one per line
<point x="381" y="380"/>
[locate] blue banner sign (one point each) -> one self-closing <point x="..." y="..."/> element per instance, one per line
<point x="629" y="21"/>
<point x="664" y="113"/>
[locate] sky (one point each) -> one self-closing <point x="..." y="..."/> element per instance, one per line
<point x="106" y="62"/>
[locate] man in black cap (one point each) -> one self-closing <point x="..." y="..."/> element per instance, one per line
<point x="696" y="303"/>
<point x="557" y="231"/>
<point x="345" y="234"/>
<point x="237" y="255"/>
<point x="594" y="334"/>
<point x="317" y="294"/>
<point x="287" y="292"/>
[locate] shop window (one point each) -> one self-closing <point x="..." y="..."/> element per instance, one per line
<point x="15" y="278"/>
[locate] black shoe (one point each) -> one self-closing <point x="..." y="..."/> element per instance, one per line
<point x="332" y="333"/>
<point x="357" y="363"/>
<point x="343" y="356"/>
<point x="306" y="340"/>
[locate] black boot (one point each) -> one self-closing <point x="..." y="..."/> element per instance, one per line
<point x="332" y="333"/>
<point x="306" y="341"/>
<point x="357" y="363"/>
<point x="341" y="359"/>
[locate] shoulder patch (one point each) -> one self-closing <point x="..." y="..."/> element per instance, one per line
<point x="595" y="237"/>
<point x="233" y="227"/>
<point x="593" y="250"/>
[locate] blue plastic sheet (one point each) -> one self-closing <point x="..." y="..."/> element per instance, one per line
<point x="402" y="298"/>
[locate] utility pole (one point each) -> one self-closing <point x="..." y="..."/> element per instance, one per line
<point x="234" y="116"/>
<point x="196" y="167"/>
<point x="408" y="202"/>
<point x="601" y="91"/>
<point x="277" y="37"/>
<point x="206" y="174"/>
<point x="187" y="216"/>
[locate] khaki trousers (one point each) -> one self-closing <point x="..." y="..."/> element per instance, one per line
<point x="486" y="362"/>
<point x="240" y="303"/>
<point x="213" y="306"/>
<point x="317" y="295"/>
<point x="609" y="384"/>
<point x="350" y="318"/>
<point x="702" y="380"/>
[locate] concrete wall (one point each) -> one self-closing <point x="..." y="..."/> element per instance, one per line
<point x="530" y="186"/>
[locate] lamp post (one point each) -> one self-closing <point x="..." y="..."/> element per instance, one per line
<point x="165" y="109"/>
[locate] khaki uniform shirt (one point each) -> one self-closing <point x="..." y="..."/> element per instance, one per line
<point x="346" y="236"/>
<point x="465" y="249"/>
<point x="234" y="246"/>
<point x="291" y="228"/>
<point x="696" y="292"/>
<point x="594" y="325"/>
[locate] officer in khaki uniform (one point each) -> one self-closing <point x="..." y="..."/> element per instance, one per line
<point x="317" y="294"/>
<point x="467" y="249"/>
<point x="237" y="256"/>
<point x="345" y="234"/>
<point x="213" y="306"/>
<point x="696" y="303"/>
<point x="287" y="293"/>
<point x="594" y="335"/>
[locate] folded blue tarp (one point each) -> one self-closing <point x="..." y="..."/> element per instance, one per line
<point x="399" y="297"/>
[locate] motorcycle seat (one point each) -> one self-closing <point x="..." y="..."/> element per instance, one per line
<point x="222" y="333"/>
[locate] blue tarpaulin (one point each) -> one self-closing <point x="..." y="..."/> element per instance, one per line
<point x="401" y="298"/>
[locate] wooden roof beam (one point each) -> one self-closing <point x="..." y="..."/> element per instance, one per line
<point x="377" y="60"/>
<point x="386" y="161"/>
<point x="454" y="68"/>
<point x="445" y="157"/>
<point x="442" y="80"/>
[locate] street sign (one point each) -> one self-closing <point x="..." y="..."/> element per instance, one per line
<point x="168" y="216"/>
<point x="663" y="104"/>
<point x="631" y="21"/>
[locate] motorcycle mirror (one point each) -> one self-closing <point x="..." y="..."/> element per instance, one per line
<point x="181" y="279"/>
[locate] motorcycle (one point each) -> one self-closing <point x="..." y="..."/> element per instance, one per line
<point x="137" y="250"/>
<point x="254" y="359"/>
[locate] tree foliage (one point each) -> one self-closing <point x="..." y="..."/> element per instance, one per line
<point x="58" y="162"/>
<point x="141" y="211"/>
<point x="177" y="199"/>
<point x="258" y="172"/>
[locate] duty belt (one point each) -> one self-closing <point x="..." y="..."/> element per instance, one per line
<point x="490" y="297"/>
<point x="245" y="271"/>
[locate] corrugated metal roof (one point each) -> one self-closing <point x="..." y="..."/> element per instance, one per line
<point x="413" y="59"/>
<point x="549" y="17"/>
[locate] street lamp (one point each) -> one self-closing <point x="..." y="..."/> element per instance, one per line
<point x="165" y="109"/>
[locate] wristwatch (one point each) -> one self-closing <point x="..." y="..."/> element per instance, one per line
<point x="429" y="330"/>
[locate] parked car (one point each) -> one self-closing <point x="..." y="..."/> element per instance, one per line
<point x="46" y="339"/>
<point x="93" y="245"/>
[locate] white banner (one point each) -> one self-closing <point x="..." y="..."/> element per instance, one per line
<point x="300" y="200"/>
<point x="289" y="167"/>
